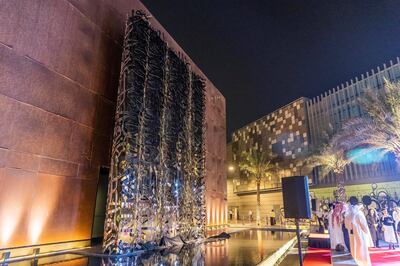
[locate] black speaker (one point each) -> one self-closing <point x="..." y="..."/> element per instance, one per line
<point x="296" y="198"/>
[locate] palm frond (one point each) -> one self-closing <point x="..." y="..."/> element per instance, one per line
<point x="380" y="127"/>
<point x="257" y="163"/>
<point x="330" y="155"/>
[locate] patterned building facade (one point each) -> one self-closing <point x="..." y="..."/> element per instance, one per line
<point x="291" y="131"/>
<point x="282" y="135"/>
<point x="335" y="107"/>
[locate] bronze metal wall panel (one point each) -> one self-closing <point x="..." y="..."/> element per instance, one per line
<point x="59" y="69"/>
<point x="215" y="141"/>
<point x="57" y="91"/>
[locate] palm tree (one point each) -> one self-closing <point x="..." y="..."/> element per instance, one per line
<point x="380" y="127"/>
<point x="258" y="164"/>
<point x="331" y="156"/>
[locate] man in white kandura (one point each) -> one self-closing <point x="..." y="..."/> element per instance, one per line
<point x="360" y="232"/>
<point x="335" y="220"/>
<point x="370" y="242"/>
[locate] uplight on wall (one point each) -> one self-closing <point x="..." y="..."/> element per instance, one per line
<point x="25" y="208"/>
<point x="35" y="228"/>
<point x="11" y="215"/>
<point x="12" y="207"/>
<point x="41" y="209"/>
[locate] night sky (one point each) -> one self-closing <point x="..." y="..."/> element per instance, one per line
<point x="264" y="54"/>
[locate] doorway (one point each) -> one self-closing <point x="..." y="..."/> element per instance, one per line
<point x="100" y="207"/>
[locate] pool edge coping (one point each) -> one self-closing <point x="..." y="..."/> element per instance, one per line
<point x="279" y="254"/>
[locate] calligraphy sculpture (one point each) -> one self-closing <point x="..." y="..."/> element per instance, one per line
<point x="156" y="184"/>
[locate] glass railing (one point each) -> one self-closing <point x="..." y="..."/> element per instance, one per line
<point x="252" y="186"/>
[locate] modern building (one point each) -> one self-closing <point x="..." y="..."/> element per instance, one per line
<point x="282" y="134"/>
<point x="289" y="133"/>
<point x="59" y="70"/>
<point x="338" y="105"/>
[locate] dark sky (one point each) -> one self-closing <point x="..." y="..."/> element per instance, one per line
<point x="263" y="54"/>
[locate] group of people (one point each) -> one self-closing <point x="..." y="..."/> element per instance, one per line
<point x="384" y="226"/>
<point x="354" y="228"/>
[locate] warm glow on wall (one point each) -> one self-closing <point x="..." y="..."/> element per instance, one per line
<point x="12" y="207"/>
<point x="208" y="213"/>
<point x="25" y="208"/>
<point x="42" y="208"/>
<point x="216" y="212"/>
<point x="212" y="213"/>
<point x="10" y="214"/>
<point x="37" y="221"/>
<point x="35" y="228"/>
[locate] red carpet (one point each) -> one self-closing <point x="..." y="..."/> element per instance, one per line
<point x="384" y="257"/>
<point x="379" y="257"/>
<point x="317" y="257"/>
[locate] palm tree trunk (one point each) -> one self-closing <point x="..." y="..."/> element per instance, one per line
<point x="258" y="202"/>
<point x="341" y="193"/>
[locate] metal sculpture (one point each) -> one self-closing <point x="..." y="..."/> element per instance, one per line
<point x="191" y="254"/>
<point x="156" y="186"/>
<point x="380" y="199"/>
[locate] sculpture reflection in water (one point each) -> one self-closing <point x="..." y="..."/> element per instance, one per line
<point x="192" y="254"/>
<point x="156" y="186"/>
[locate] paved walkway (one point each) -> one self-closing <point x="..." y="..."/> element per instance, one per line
<point x="268" y="227"/>
<point x="237" y="227"/>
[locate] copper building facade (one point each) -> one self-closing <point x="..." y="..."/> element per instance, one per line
<point x="59" y="69"/>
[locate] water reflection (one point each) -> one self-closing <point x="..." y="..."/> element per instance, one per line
<point x="248" y="247"/>
<point x="187" y="255"/>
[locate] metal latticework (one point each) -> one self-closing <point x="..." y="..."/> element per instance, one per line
<point x="156" y="186"/>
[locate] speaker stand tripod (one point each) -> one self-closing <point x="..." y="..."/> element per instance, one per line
<point x="299" y="241"/>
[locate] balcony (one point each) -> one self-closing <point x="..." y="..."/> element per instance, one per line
<point x="250" y="187"/>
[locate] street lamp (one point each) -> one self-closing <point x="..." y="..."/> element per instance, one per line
<point x="231" y="168"/>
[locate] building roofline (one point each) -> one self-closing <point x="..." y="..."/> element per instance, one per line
<point x="352" y="82"/>
<point x="340" y="87"/>
<point x="276" y="110"/>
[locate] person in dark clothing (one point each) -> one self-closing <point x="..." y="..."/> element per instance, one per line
<point x="272" y="217"/>
<point x="388" y="229"/>
<point x="373" y="221"/>
<point x="325" y="219"/>
<point x="346" y="237"/>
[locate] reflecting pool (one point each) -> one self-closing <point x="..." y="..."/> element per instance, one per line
<point x="248" y="247"/>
